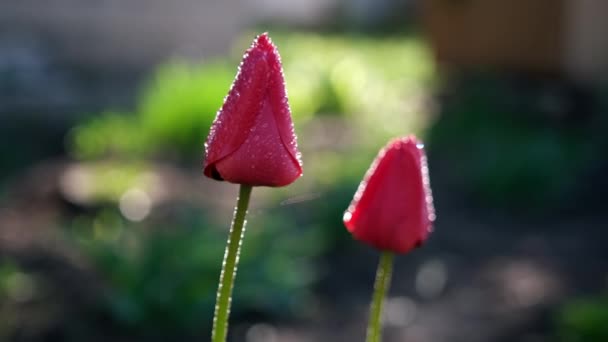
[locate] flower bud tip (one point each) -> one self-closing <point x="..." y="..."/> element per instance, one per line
<point x="263" y="42"/>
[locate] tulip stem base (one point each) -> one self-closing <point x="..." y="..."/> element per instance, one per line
<point x="229" y="266"/>
<point x="381" y="287"/>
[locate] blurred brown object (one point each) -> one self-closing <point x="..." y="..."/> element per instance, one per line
<point x="509" y="34"/>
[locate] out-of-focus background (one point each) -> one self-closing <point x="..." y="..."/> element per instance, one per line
<point x="110" y="232"/>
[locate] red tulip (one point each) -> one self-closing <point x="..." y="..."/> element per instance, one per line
<point x="393" y="207"/>
<point x="252" y="140"/>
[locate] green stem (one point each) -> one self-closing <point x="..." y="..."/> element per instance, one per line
<point x="381" y="286"/>
<point x="229" y="266"/>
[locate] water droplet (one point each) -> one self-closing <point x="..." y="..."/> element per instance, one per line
<point x="347" y="216"/>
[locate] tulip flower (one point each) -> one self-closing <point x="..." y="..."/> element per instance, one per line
<point x="393" y="207"/>
<point x="392" y="211"/>
<point x="251" y="143"/>
<point x="252" y="140"/>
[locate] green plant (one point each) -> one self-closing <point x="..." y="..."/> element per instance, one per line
<point x="509" y="157"/>
<point x="160" y="281"/>
<point x="172" y="116"/>
<point x="583" y="320"/>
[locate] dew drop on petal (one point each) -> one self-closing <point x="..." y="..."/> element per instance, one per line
<point x="347" y="216"/>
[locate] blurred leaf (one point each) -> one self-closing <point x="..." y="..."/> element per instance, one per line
<point x="584" y="320"/>
<point x="163" y="281"/>
<point x="508" y="154"/>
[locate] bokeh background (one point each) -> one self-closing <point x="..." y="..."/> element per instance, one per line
<point x="110" y="232"/>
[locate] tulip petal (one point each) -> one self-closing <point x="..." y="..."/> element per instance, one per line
<point x="252" y="140"/>
<point x="238" y="113"/>
<point x="263" y="154"/>
<point x="392" y="209"/>
<point x="280" y="105"/>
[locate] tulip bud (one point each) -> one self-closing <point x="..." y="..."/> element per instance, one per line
<point x="252" y="140"/>
<point x="393" y="206"/>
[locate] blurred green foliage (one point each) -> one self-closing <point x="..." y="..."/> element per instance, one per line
<point x="503" y="148"/>
<point x="172" y="115"/>
<point x="159" y="276"/>
<point x="161" y="281"/>
<point x="17" y="286"/>
<point x="106" y="181"/>
<point x="376" y="82"/>
<point x="583" y="320"/>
